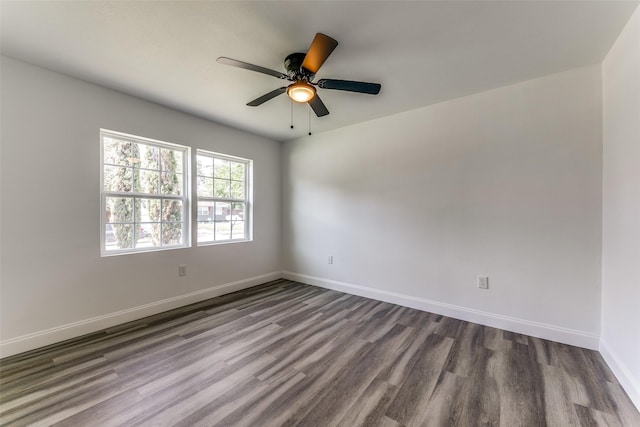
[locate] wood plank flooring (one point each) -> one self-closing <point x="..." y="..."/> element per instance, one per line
<point x="284" y="354"/>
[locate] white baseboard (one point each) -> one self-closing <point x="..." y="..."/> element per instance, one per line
<point x="522" y="326"/>
<point x="72" y="330"/>
<point x="622" y="372"/>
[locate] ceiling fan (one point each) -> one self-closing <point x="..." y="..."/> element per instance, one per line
<point x="301" y="69"/>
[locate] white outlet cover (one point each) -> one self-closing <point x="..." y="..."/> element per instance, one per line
<point x="483" y="282"/>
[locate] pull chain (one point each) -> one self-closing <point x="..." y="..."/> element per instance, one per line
<point x="309" y="120"/>
<point x="291" y="103"/>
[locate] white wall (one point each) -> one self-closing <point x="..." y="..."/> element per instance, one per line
<point x="505" y="183"/>
<point x="621" y="208"/>
<point x="54" y="283"/>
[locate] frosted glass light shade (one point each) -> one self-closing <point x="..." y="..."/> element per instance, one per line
<point x="301" y="91"/>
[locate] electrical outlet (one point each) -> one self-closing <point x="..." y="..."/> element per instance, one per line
<point x="483" y="282"/>
<point x="330" y="259"/>
<point x="182" y="270"/>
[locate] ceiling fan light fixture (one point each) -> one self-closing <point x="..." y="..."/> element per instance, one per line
<point x="301" y="91"/>
<point x="301" y="70"/>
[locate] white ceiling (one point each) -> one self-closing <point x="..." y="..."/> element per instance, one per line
<point x="421" y="52"/>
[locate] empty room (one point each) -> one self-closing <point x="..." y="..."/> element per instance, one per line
<point x="320" y="213"/>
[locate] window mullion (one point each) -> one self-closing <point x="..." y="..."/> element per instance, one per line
<point x="219" y="199"/>
<point x="144" y="195"/>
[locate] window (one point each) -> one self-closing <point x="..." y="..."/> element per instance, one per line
<point x="223" y="187"/>
<point x="144" y="196"/>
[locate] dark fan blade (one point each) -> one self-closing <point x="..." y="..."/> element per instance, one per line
<point x="320" y="49"/>
<point x="360" y="87"/>
<point x="267" y="96"/>
<point x="247" y="66"/>
<point x="318" y="106"/>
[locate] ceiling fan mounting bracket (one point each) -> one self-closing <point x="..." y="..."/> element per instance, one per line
<point x="293" y="65"/>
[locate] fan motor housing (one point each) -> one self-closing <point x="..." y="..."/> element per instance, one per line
<point x="293" y="65"/>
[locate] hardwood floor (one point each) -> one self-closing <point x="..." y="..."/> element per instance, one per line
<point x="290" y="354"/>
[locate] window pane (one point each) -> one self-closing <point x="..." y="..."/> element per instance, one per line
<point x="172" y="233"/>
<point x="205" y="187"/>
<point x="117" y="178"/>
<point x="206" y="211"/>
<point x="238" y="223"/>
<point x="206" y="232"/>
<point x="237" y="229"/>
<point x="121" y="152"/>
<point x="124" y="236"/>
<point x="238" y="211"/>
<point x="142" y="208"/>
<point x="204" y="166"/>
<point x="223" y="210"/>
<point x="108" y="177"/>
<point x="109" y="237"/>
<point x="222" y="188"/>
<point x="110" y="149"/>
<point x="149" y="181"/>
<point x="119" y="209"/>
<point x="221" y="168"/>
<point x="147" y="235"/>
<point x="151" y="232"/>
<point x="150" y="157"/>
<point x="237" y="171"/>
<point x="237" y="190"/>
<point x="179" y="161"/>
<point x="170" y="160"/>
<point x="223" y="230"/>
<point x="171" y="183"/>
<point x="150" y="210"/>
<point x="171" y="210"/>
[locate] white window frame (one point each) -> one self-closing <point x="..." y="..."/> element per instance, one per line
<point x="248" y="197"/>
<point x="185" y="196"/>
